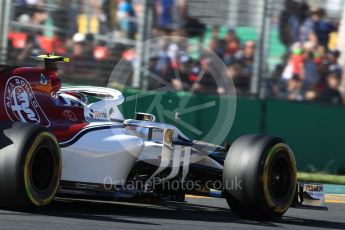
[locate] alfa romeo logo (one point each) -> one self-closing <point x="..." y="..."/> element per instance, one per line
<point x="21" y="104"/>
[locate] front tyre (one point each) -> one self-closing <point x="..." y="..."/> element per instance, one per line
<point x="30" y="166"/>
<point x="264" y="170"/>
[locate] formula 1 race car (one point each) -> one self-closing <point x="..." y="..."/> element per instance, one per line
<point x="55" y="143"/>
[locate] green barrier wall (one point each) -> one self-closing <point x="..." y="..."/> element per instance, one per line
<point x="315" y="132"/>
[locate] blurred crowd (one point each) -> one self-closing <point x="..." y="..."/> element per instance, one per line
<point x="99" y="17"/>
<point x="96" y="34"/>
<point x="310" y="70"/>
<point x="194" y="66"/>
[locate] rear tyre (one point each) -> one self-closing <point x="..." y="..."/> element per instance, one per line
<point x="259" y="177"/>
<point x="30" y="166"/>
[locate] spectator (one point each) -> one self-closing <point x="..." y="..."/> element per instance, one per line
<point x="232" y="46"/>
<point x="306" y="22"/>
<point x="165" y="13"/>
<point x="173" y="56"/>
<point x="331" y="94"/>
<point x="216" y="46"/>
<point x="244" y="59"/>
<point x="185" y="67"/>
<point x="82" y="55"/>
<point x="333" y="65"/>
<point x="126" y="17"/>
<point x="310" y="75"/>
<point x="208" y="82"/>
<point x="322" y="28"/>
<point x="32" y="48"/>
<point x="39" y="17"/>
<point x="182" y="12"/>
<point x="64" y="17"/>
<point x="295" y="63"/>
<point x="294" y="89"/>
<point x="289" y="23"/>
<point x="110" y="8"/>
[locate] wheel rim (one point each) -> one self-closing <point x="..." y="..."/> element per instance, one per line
<point x="279" y="179"/>
<point x="42" y="169"/>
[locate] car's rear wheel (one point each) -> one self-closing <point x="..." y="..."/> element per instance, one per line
<point x="259" y="177"/>
<point x="30" y="166"/>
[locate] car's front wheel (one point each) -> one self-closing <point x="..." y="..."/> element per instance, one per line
<point x="259" y="177"/>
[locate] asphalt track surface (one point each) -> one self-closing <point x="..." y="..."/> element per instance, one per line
<point x="197" y="213"/>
